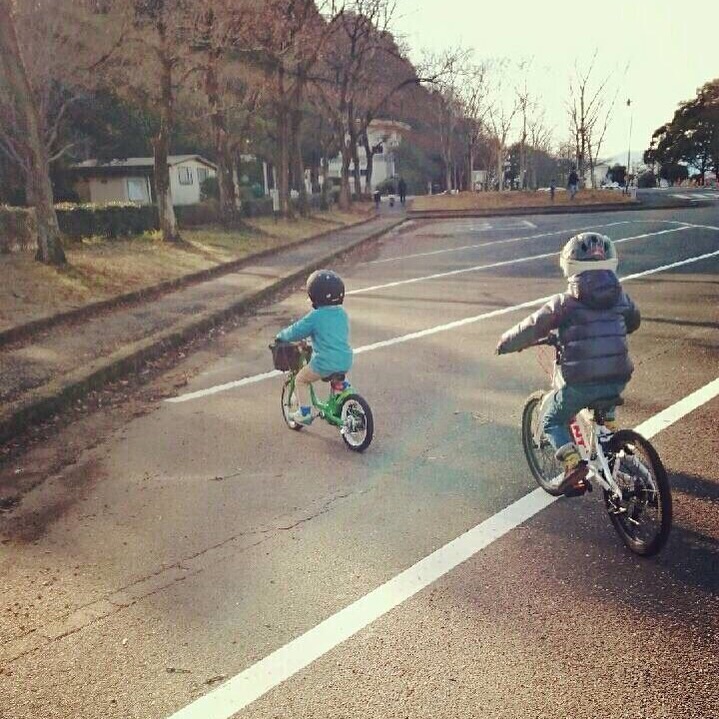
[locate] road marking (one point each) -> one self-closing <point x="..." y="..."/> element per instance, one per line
<point x="426" y="332"/>
<point x="503" y="263"/>
<point x="683" y="197"/>
<point x="254" y="682"/>
<point x="666" y="418"/>
<point x="501" y="242"/>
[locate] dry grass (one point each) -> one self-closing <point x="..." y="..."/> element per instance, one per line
<point x="99" y="269"/>
<point x="504" y="200"/>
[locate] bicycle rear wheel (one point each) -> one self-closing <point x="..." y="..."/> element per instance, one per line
<point x="643" y="519"/>
<point x="358" y="423"/>
<point x="545" y="467"/>
<point x="290" y="404"/>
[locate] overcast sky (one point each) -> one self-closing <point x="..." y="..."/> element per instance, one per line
<point x="668" y="44"/>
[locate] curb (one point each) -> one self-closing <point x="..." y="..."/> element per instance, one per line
<point x="49" y="399"/>
<point x="519" y="211"/>
<point x="27" y="330"/>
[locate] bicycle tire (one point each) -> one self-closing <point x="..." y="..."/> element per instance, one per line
<point x="286" y="404"/>
<point x="362" y="445"/>
<point x="619" y="442"/>
<point x="537" y="464"/>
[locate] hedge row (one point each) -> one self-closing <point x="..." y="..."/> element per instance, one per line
<point x="117" y="220"/>
<point x="111" y="221"/>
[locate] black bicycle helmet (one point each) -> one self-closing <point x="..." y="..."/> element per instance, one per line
<point x="325" y="288"/>
<point x="588" y="251"/>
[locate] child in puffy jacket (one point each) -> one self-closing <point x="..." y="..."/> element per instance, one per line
<point x="592" y="318"/>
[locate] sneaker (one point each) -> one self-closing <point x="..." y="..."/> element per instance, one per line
<point x="574" y="483"/>
<point x="302" y="416"/>
<point x="611" y="425"/>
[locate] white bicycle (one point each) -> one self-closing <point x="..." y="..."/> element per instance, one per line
<point x="624" y="464"/>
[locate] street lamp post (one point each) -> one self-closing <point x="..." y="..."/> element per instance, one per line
<point x="629" y="149"/>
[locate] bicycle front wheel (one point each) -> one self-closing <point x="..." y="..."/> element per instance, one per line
<point x="357" y="423"/>
<point x="643" y="518"/>
<point x="290" y="405"/>
<point x="544" y="466"/>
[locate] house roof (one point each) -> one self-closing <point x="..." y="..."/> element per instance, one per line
<point x="142" y="165"/>
<point x="390" y="124"/>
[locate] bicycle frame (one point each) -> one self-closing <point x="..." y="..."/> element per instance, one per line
<point x="588" y="437"/>
<point x="330" y="410"/>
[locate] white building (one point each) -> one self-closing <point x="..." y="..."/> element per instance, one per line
<point x="385" y="136"/>
<point x="130" y="180"/>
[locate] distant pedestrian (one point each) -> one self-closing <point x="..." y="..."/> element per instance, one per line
<point x="377" y="199"/>
<point x="402" y="188"/>
<point x="573" y="183"/>
<point x="552" y="188"/>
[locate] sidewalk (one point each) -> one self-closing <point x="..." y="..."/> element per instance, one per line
<point x="65" y="362"/>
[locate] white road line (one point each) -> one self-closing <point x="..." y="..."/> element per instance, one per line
<point x="255" y="681"/>
<point x="503" y="263"/>
<point x="427" y="332"/>
<point x="502" y="242"/>
<point x="684" y="197"/>
<point x="666" y="418"/>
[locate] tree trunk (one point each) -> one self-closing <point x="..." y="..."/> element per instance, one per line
<point x="283" y="148"/>
<point x="49" y="243"/>
<point x="161" y="147"/>
<point x="298" y="164"/>
<point x="325" y="202"/>
<point x="470" y="167"/>
<point x="447" y="174"/>
<point x="369" y="154"/>
<point x="229" y="211"/>
<point x="500" y="167"/>
<point x="345" y="199"/>
<point x="356" y="174"/>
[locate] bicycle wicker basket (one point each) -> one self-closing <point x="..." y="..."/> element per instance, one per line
<point x="288" y="356"/>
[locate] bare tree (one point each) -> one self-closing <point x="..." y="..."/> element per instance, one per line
<point x="289" y="38"/>
<point x="345" y="73"/>
<point x="29" y="145"/>
<point x="449" y="71"/>
<point x="502" y="113"/>
<point x="589" y="108"/>
<point x="149" y="69"/>
<point x="540" y="141"/>
<point x="475" y="108"/>
<point x="526" y="106"/>
<point x="230" y="88"/>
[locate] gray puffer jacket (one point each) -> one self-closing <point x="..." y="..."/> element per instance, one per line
<point x="593" y="319"/>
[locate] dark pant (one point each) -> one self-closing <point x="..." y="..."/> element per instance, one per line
<point x="566" y="402"/>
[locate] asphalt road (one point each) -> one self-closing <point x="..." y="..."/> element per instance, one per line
<point x="195" y="540"/>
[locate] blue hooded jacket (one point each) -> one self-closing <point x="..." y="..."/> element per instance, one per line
<point x="328" y="328"/>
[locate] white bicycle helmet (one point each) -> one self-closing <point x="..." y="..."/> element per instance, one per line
<point x="588" y="251"/>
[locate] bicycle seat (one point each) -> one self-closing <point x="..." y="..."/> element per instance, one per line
<point x="336" y="377"/>
<point x="602" y="405"/>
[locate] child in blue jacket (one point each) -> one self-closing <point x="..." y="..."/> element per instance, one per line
<point x="327" y="325"/>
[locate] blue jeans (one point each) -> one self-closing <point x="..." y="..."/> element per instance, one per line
<point x="566" y="402"/>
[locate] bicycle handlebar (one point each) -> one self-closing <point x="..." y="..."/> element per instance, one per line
<point x="551" y="340"/>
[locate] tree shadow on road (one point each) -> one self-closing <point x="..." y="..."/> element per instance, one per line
<point x="699" y="487"/>
<point x="682" y="322"/>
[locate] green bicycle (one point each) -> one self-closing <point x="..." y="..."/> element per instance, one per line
<point x="344" y="408"/>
